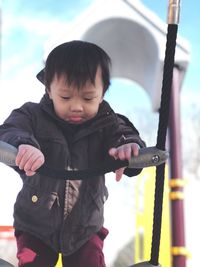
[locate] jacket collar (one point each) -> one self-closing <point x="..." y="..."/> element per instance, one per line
<point x="103" y="118"/>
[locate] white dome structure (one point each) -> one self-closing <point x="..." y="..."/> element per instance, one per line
<point x="135" y="39"/>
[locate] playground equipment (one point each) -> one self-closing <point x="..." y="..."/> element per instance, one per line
<point x="173" y="19"/>
<point x="150" y="156"/>
<point x="144" y="196"/>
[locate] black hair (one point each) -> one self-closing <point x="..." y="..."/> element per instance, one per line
<point x="78" y="60"/>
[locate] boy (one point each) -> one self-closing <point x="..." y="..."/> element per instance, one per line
<point x="71" y="128"/>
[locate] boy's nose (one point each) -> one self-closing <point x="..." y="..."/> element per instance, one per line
<point x="76" y="106"/>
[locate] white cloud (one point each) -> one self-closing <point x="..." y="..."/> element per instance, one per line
<point x="19" y="89"/>
<point x="42" y="27"/>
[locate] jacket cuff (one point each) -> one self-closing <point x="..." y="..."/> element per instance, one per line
<point x="22" y="139"/>
<point x="130" y="139"/>
<point x="132" y="172"/>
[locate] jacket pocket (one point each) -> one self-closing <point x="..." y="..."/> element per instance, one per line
<point x="99" y="198"/>
<point x="37" y="211"/>
<point x="93" y="216"/>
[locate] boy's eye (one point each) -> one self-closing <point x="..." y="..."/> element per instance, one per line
<point x="88" y="98"/>
<point x="65" y="97"/>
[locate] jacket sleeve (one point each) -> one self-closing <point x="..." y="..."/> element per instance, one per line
<point x="123" y="133"/>
<point x="127" y="133"/>
<point x="17" y="128"/>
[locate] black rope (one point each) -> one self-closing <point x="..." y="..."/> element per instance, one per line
<point x="161" y="139"/>
<point x="108" y="166"/>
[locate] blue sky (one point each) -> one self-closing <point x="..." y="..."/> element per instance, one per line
<point x="28" y="25"/>
<point x="188" y="27"/>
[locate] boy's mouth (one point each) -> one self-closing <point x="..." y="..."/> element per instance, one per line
<point x="75" y="119"/>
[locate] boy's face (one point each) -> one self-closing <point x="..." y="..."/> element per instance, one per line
<point x="76" y="105"/>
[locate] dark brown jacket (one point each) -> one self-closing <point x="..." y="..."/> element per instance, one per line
<point x="41" y="205"/>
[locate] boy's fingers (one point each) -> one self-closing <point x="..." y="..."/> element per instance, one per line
<point x="135" y="149"/>
<point x="119" y="174"/>
<point x="34" y="162"/>
<point x="37" y="163"/>
<point x="121" y="153"/>
<point x="30" y="173"/>
<point x="20" y="154"/>
<point x="113" y="152"/>
<point x="29" y="159"/>
<point x="25" y="159"/>
<point x="125" y="151"/>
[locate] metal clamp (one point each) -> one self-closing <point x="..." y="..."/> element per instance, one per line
<point x="149" y="156"/>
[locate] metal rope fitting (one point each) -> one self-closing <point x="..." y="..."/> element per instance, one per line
<point x="173" y="12"/>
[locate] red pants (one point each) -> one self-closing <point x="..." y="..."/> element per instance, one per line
<point x="32" y="252"/>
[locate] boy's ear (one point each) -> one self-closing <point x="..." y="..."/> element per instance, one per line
<point x="102" y="97"/>
<point x="48" y="92"/>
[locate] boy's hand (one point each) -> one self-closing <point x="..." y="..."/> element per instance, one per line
<point x="123" y="152"/>
<point x="29" y="159"/>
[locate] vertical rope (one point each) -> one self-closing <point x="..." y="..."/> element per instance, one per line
<point x="161" y="139"/>
<point x="166" y="86"/>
